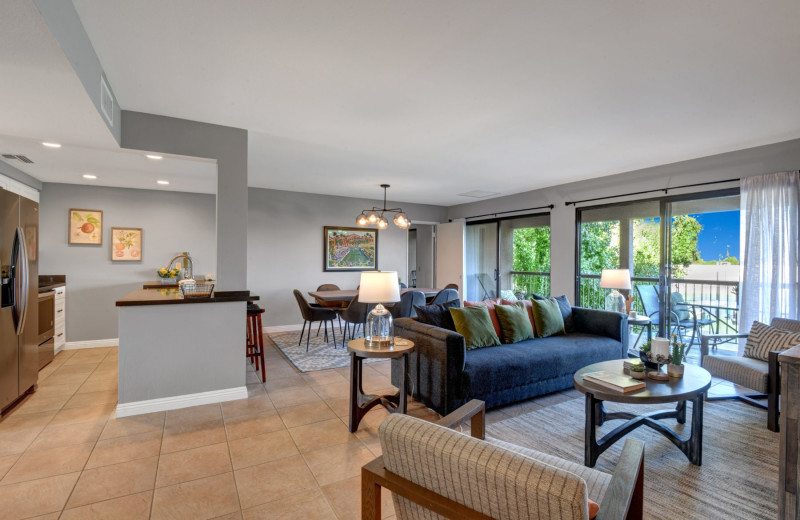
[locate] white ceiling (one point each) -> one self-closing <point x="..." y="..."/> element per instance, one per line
<point x="41" y="99"/>
<point x="435" y="98"/>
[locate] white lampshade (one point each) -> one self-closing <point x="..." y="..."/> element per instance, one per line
<point x="615" y="279"/>
<point x="379" y="287"/>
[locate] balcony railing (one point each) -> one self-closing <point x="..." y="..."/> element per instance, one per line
<point x="717" y="301"/>
<point x="525" y="283"/>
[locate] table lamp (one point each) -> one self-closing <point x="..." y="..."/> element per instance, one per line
<point x="615" y="279"/>
<point x="379" y="287"/>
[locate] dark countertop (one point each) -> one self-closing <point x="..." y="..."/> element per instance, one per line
<point x="50" y="281"/>
<point x="158" y="285"/>
<point x="172" y="295"/>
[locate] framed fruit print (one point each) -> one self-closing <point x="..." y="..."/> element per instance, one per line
<point x="85" y="227"/>
<point x="126" y="244"/>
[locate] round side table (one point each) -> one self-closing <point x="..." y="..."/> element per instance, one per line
<point x="361" y="403"/>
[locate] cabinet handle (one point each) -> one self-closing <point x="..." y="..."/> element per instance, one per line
<point x="60" y="310"/>
<point x="59" y="334"/>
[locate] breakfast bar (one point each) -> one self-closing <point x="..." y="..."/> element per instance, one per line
<point x="177" y="351"/>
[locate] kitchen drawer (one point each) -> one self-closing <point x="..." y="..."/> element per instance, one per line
<point x="59" y="311"/>
<point x="59" y="324"/>
<point x="59" y="301"/>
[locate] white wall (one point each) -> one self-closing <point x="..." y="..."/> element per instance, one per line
<point x="171" y="221"/>
<point x="286" y="245"/>
<point x="742" y="163"/>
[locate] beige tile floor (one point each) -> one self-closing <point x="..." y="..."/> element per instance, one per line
<point x="285" y="452"/>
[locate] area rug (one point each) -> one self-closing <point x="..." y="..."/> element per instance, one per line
<point x="738" y="478"/>
<point x="321" y="355"/>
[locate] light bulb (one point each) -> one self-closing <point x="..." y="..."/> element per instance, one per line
<point x="362" y="220"/>
<point x="372" y="217"/>
<point x="401" y="220"/>
<point x="382" y="223"/>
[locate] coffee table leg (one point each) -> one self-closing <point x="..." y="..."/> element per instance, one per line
<point x="681" y="410"/>
<point x="591" y="451"/>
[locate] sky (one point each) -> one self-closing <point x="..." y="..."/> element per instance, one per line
<point x="719" y="236"/>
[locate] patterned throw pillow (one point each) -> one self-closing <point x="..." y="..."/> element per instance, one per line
<point x="763" y="339"/>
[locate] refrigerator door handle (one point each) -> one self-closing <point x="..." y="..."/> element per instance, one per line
<point x="22" y="274"/>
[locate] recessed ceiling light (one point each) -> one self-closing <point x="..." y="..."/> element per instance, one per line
<point x="154" y="157"/>
<point x="52" y="145"/>
<point x="89" y="176"/>
<point x="163" y="182"/>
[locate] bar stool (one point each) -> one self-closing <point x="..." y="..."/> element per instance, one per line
<point x="255" y="339"/>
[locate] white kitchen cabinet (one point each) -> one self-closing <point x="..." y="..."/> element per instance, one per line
<point x="60" y="330"/>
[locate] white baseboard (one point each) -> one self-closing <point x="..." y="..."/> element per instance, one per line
<point x="180" y="401"/>
<point x="282" y="328"/>
<point x="94" y="343"/>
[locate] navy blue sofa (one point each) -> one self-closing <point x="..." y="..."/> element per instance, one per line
<point x="444" y="374"/>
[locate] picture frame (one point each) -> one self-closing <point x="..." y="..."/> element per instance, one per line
<point x="127" y="244"/>
<point x="346" y="249"/>
<point x="85" y="227"/>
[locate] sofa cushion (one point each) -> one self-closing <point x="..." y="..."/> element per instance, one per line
<point x="548" y="318"/>
<point x="514" y="322"/>
<point x="566" y="313"/>
<point x="475" y="325"/>
<point x="528" y="308"/>
<point x="763" y="339"/>
<point x="489" y="304"/>
<point x="508" y="366"/>
<point x="437" y="314"/>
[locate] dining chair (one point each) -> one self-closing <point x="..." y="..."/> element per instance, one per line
<point x="451" y="286"/>
<point x="443" y="296"/>
<point x="312" y="314"/>
<point x="355" y="314"/>
<point x="337" y="305"/>
<point x="405" y="307"/>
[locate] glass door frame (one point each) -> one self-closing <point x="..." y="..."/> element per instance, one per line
<point x="497" y="221"/>
<point x="665" y="223"/>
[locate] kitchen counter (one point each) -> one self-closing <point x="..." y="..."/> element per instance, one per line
<point x="50" y="282"/>
<point x="158" y="285"/>
<point x="172" y="295"/>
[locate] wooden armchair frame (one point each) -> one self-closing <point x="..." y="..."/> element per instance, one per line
<point x="623" y="500"/>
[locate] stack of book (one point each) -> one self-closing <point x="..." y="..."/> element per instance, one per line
<point x="631" y="362"/>
<point x="612" y="381"/>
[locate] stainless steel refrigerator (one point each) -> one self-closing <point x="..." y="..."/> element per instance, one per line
<point x="19" y="321"/>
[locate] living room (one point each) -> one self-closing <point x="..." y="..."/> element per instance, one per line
<point x="239" y="135"/>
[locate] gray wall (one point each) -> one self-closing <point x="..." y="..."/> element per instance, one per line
<point x="171" y="221"/>
<point x="286" y="245"/>
<point x="742" y="163"/>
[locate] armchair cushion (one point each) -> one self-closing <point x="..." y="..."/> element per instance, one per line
<point x="763" y="339"/>
<point x="747" y="372"/>
<point x="496" y="481"/>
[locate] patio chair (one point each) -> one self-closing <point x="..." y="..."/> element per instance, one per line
<point x="312" y="314"/>
<point x="762" y="376"/>
<point x="650" y="297"/>
<point x="405" y="307"/>
<point x="487" y="286"/>
<point x="432" y="470"/>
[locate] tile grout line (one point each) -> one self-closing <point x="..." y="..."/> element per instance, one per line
<point x="158" y="464"/>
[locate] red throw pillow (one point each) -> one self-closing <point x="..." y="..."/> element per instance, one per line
<point x="594" y="508"/>
<point x="528" y="306"/>
<point x="492" y="313"/>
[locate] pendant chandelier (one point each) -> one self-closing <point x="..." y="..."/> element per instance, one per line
<point x="375" y="216"/>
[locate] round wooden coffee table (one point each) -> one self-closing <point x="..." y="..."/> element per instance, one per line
<point x="691" y="387"/>
<point x="361" y="403"/>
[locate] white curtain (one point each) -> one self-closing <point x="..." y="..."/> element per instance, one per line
<point x="769" y="248"/>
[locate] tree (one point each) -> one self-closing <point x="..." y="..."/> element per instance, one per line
<point x="599" y="246"/>
<point x="531" y="253"/>
<point x="646" y="246"/>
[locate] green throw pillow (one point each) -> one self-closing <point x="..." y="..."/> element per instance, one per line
<point x="514" y="322"/>
<point x="547" y="318"/>
<point x="475" y="325"/>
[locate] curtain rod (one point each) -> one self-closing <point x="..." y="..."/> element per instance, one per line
<point x="665" y="190"/>
<point x="550" y="206"/>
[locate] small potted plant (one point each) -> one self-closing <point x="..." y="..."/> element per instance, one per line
<point x="167" y="275"/>
<point x="637" y="371"/>
<point x="677" y="352"/>
<point x="644" y="355"/>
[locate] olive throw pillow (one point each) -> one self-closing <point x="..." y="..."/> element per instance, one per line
<point x="475" y="325"/>
<point x="514" y="322"/>
<point x="547" y="315"/>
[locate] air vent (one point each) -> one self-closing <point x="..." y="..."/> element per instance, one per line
<point x="478" y="194"/>
<point x="20" y="158"/>
<point x="106" y="100"/>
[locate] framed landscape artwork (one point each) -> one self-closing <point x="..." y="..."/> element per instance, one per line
<point x="350" y="249"/>
<point x="126" y="244"/>
<point x="86" y="227"/>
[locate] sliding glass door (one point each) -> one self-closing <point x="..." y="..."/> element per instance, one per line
<point x="682" y="253"/>
<point x="508" y="258"/>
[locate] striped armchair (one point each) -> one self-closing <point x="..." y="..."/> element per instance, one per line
<point x="762" y="376"/>
<point x="434" y="472"/>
